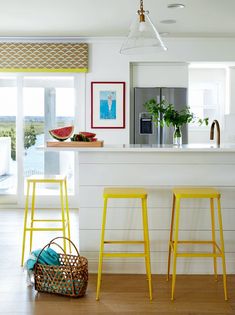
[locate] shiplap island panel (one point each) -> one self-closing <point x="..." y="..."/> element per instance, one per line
<point x="157" y="169"/>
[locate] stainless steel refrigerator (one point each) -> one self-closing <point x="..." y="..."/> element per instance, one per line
<point x="143" y="129"/>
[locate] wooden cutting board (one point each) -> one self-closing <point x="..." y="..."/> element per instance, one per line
<point x="74" y="144"/>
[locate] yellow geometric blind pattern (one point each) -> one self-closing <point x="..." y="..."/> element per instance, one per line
<point x="44" y="57"/>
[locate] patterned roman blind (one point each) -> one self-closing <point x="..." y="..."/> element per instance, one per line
<point x="43" y="57"/>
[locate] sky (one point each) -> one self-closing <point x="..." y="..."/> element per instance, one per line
<point x="33" y="100"/>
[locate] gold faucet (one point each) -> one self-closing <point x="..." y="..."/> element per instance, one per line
<point x="215" y="123"/>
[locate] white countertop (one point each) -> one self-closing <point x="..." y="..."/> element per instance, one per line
<point x="229" y="147"/>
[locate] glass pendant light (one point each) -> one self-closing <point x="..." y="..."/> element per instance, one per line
<point x="143" y="37"/>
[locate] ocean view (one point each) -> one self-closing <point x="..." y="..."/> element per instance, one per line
<point x="33" y="159"/>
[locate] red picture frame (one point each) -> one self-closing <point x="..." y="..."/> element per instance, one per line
<point x="108" y="105"/>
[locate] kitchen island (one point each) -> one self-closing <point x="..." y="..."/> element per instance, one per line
<point x="158" y="169"/>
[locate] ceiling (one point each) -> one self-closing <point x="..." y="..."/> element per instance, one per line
<point x="91" y="18"/>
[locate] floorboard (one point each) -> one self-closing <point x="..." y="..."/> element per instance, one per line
<point x="120" y="294"/>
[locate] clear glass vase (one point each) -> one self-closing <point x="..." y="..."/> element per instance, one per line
<point x="177" y="136"/>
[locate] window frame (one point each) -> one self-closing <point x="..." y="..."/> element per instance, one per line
<point x="221" y="112"/>
<point x="18" y="199"/>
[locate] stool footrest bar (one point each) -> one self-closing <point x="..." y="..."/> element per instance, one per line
<point x="197" y="255"/>
<point x="124" y="242"/>
<point x="45" y="220"/>
<point x="198" y="242"/>
<point x="124" y="255"/>
<point x="195" y="242"/>
<point x="44" y="229"/>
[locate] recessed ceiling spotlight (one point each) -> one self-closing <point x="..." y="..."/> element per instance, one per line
<point x="176" y="6"/>
<point x="164" y="33"/>
<point x="168" y="21"/>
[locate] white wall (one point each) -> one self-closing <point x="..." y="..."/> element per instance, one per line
<point x="162" y="74"/>
<point x="230" y="117"/>
<point x="106" y="64"/>
<point x="232" y="90"/>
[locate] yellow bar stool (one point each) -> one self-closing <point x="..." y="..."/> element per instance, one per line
<point x="125" y="193"/>
<point x="217" y="251"/>
<point x="29" y="223"/>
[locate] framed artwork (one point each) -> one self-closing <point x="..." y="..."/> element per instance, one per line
<point x="108" y="105"/>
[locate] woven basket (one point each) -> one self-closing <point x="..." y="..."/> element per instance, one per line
<point x="70" y="278"/>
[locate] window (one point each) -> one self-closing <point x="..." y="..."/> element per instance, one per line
<point x="48" y="103"/>
<point x="8" y="110"/>
<point x="34" y="104"/>
<point x="207" y="93"/>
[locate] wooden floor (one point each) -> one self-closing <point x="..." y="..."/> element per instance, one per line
<point x="121" y="294"/>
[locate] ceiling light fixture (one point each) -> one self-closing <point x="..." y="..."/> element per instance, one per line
<point x="164" y="34"/>
<point x="143" y="36"/>
<point x="176" y="6"/>
<point x="168" y="21"/>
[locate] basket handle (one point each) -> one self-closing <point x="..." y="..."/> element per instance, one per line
<point x="53" y="242"/>
<point x="63" y="237"/>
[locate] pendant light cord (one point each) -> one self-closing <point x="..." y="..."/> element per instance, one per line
<point x="141" y="11"/>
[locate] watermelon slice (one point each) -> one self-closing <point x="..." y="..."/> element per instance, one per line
<point x="88" y="134"/>
<point x="62" y="134"/>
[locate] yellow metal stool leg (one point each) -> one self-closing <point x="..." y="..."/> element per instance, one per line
<point x="146" y="245"/>
<point x="62" y="213"/>
<point x="175" y="246"/>
<point x="32" y="215"/>
<point x="67" y="213"/>
<point x="171" y="237"/>
<point x="213" y="235"/>
<point x="25" y="222"/>
<point x="101" y="249"/>
<point x="222" y="249"/>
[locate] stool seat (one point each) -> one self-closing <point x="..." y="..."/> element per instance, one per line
<point x="195" y="192"/>
<point x="46" y="178"/>
<point x="124" y="193"/>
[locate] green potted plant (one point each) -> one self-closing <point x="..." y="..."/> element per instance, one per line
<point x="164" y="113"/>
